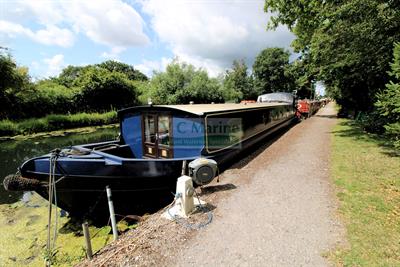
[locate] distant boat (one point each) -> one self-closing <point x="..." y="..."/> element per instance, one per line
<point x="306" y="108"/>
<point x="147" y="159"/>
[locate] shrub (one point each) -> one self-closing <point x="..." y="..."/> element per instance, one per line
<point x="8" y="127"/>
<point x="388" y="102"/>
<point x="103" y="90"/>
<point x="393" y="131"/>
<point x="30" y="126"/>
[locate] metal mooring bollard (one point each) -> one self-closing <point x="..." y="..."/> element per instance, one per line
<point x="183" y="167"/>
<point x="112" y="213"/>
<point x="86" y="234"/>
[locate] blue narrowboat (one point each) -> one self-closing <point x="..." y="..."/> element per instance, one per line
<point x="145" y="162"/>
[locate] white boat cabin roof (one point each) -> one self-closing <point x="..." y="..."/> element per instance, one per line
<point x="202" y="109"/>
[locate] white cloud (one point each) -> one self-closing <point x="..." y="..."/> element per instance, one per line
<point x="148" y="67"/>
<point x="109" y="22"/>
<point x="211" y="34"/>
<point x="54" y="64"/>
<point x="51" y="35"/>
<point x="114" y="53"/>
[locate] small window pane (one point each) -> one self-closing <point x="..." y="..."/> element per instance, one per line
<point x="149" y="129"/>
<point x="163" y="130"/>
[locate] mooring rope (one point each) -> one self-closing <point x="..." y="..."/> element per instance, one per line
<point x="52" y="192"/>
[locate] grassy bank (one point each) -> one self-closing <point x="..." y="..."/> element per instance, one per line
<point x="366" y="174"/>
<point x="55" y="122"/>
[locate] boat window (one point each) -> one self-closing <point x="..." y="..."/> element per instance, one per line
<point x="228" y="129"/>
<point x="163" y="130"/>
<point x="223" y="131"/>
<point x="149" y="129"/>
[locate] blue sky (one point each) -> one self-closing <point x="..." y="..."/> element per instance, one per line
<point x="49" y="35"/>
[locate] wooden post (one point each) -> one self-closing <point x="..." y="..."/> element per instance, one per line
<point x="86" y="234"/>
<point x="112" y="213"/>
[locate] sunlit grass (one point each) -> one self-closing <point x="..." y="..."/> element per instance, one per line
<point x="367" y="176"/>
<point x="56" y="122"/>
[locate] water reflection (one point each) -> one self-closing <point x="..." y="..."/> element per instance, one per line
<point x="13" y="153"/>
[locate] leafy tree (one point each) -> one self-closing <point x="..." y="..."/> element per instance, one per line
<point x="348" y="43"/>
<point x="13" y="79"/>
<point x="238" y="84"/>
<point x="270" y="71"/>
<point x="303" y="82"/>
<point x="103" y="90"/>
<point x="182" y="83"/>
<point x="70" y="75"/>
<point x="128" y="70"/>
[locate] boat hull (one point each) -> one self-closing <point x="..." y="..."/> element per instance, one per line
<point x="138" y="185"/>
<point x="80" y="184"/>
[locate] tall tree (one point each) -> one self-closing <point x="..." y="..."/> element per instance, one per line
<point x="238" y="83"/>
<point x="270" y="71"/>
<point x="303" y="81"/>
<point x="348" y="43"/>
<point x="103" y="90"/>
<point x="13" y="80"/>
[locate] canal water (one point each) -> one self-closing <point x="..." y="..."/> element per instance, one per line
<point x="14" y="152"/>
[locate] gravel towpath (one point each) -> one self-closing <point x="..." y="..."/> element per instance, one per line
<point x="283" y="213"/>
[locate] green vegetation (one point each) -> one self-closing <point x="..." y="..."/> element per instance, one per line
<point x="238" y="84"/>
<point x="271" y="71"/>
<point x="345" y="44"/>
<point x="54" y="122"/>
<point x="94" y="88"/>
<point x="24" y="232"/>
<point x="388" y="102"/>
<point x="182" y="83"/>
<point x="348" y="46"/>
<point x="366" y="174"/>
<point x="23" y="228"/>
<point x="65" y="101"/>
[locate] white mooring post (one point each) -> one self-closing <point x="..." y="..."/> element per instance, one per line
<point x="112" y="213"/>
<point x="184" y="188"/>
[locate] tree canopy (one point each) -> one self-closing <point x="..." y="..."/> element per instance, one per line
<point x="347" y="44"/>
<point x="103" y="90"/>
<point x="238" y="84"/>
<point x="71" y="76"/>
<point x="13" y="80"/>
<point x="99" y="87"/>
<point x="271" y="71"/>
<point x="128" y="70"/>
<point x="182" y="83"/>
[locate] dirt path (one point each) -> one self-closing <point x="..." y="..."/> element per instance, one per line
<point x="285" y="215"/>
<point x="275" y="207"/>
